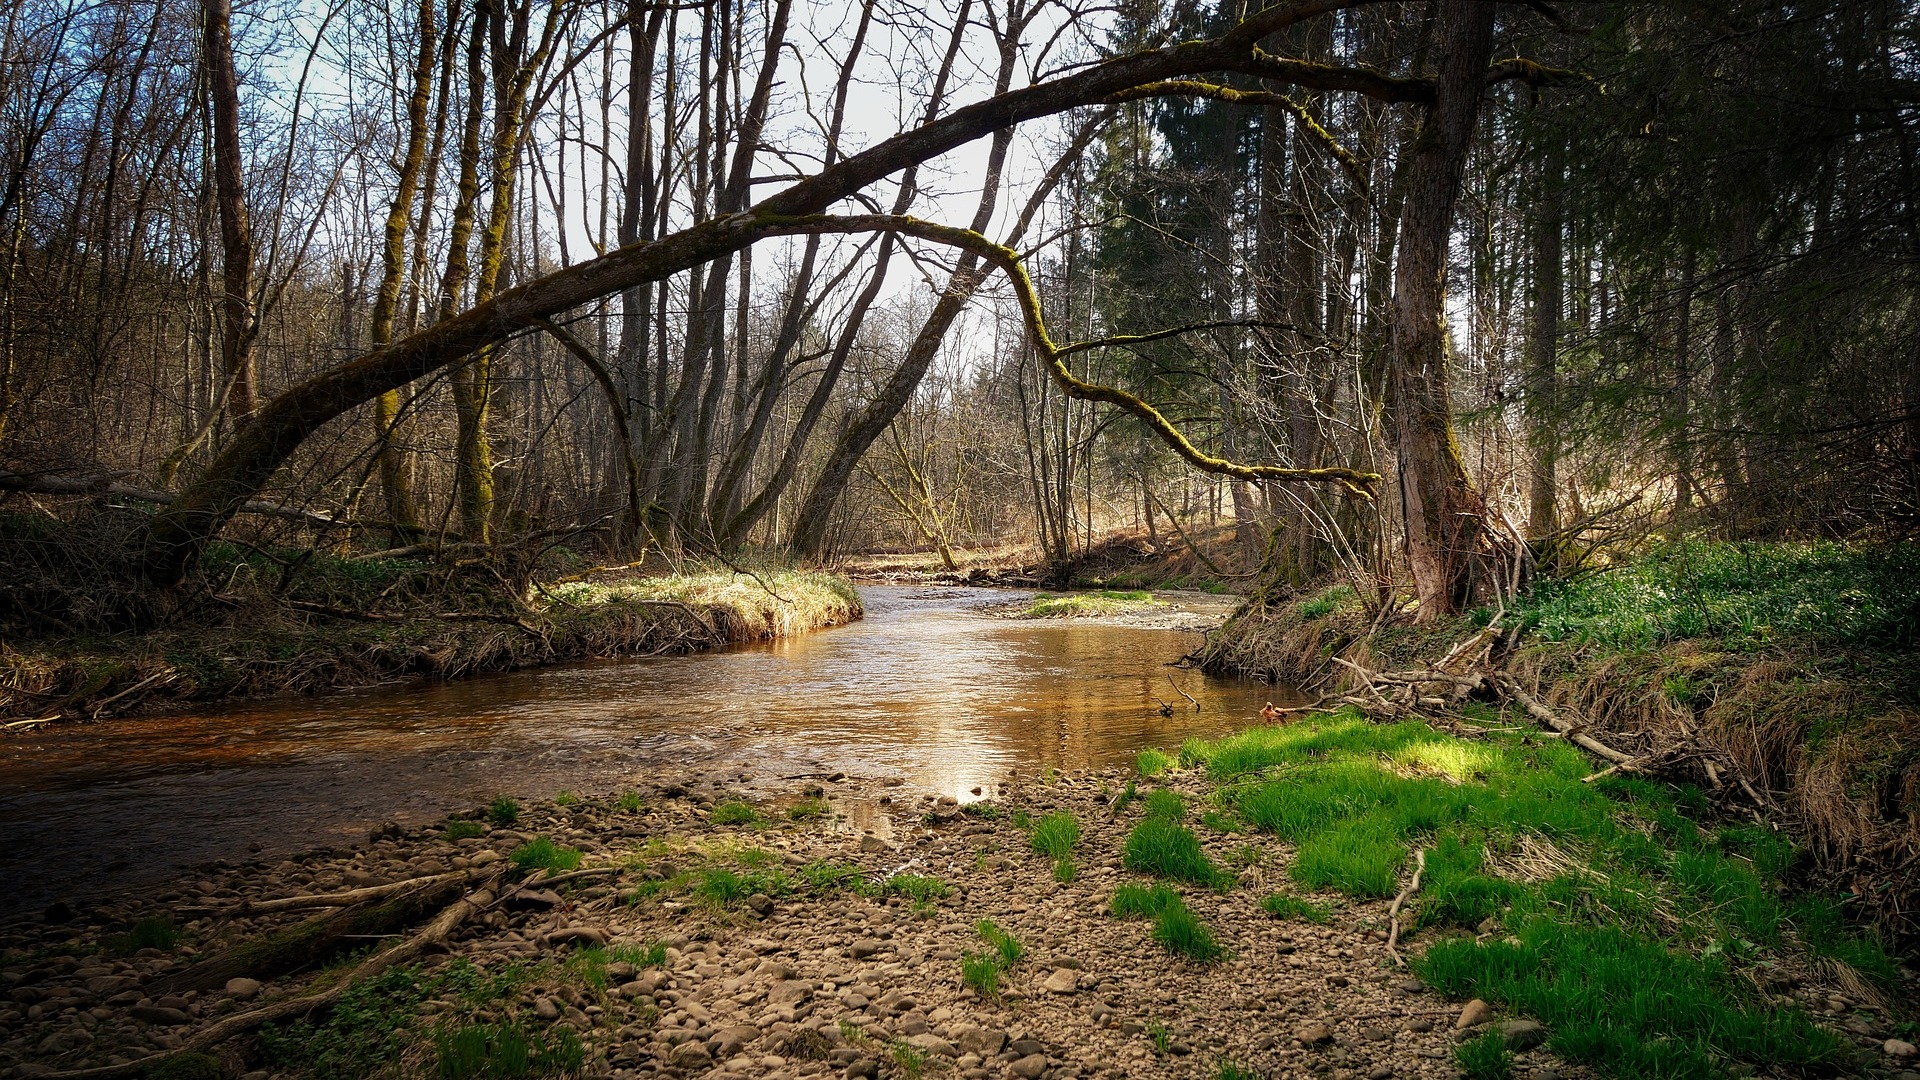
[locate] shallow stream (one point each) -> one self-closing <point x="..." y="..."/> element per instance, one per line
<point x="929" y="686"/>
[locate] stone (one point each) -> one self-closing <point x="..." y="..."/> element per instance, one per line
<point x="545" y="1009"/>
<point x="160" y="1015"/>
<point x="1381" y="1073"/>
<point x="1062" y="981"/>
<point x="578" y="935"/>
<point x="983" y="1041"/>
<point x="865" y="947"/>
<point x="933" y="1044"/>
<point x="692" y="1055"/>
<point x="1899" y="1048"/>
<point x="534" y="898"/>
<point x="1522" y="1034"/>
<point x="1024" y="1047"/>
<point x="108" y="985"/>
<point x="243" y="989"/>
<point x="730" y="1040"/>
<point x="1412" y="986"/>
<point x="863" y="1069"/>
<point x="1030" y="1067"/>
<point x="1477" y="1012"/>
<point x="873" y="845"/>
<point x="761" y="904"/>
<point x="1314" y="1035"/>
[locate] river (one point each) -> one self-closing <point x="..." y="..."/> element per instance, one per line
<point x="928" y="686"/>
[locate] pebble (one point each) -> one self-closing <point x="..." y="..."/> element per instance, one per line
<point x="1899" y="1048"/>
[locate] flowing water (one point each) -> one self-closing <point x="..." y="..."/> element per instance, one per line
<point x="927" y="686"/>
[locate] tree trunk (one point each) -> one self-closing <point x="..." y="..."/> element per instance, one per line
<point x="1443" y="512"/>
<point x="236" y="234"/>
<point x="1542" y="376"/>
<point x="396" y="472"/>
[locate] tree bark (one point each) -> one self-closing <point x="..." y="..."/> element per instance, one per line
<point x="236" y="233"/>
<point x="1443" y="511"/>
<point x="396" y="471"/>
<point x="1542" y="375"/>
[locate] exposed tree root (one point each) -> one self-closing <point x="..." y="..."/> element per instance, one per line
<point x="1393" y="912"/>
<point x="435" y="932"/>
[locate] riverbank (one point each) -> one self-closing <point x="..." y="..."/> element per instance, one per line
<point x="1071" y="925"/>
<point x="353" y="623"/>
<point x="1774" y="680"/>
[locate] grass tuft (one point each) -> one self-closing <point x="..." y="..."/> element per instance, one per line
<point x="505" y="1052"/>
<point x="1287" y="906"/>
<point x="1054" y="836"/>
<point x="1484" y="1057"/>
<point x="1167" y="849"/>
<point x="152" y="932"/>
<point x="629" y="802"/>
<point x="1174" y="926"/>
<point x="463" y="830"/>
<point x="541" y="853"/>
<point x="504" y="811"/>
<point x="1150" y="763"/>
<point x="734" y="812"/>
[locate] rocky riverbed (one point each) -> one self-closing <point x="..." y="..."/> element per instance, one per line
<point x="820" y="931"/>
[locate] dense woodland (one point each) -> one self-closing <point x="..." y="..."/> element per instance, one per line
<point x="1415" y="290"/>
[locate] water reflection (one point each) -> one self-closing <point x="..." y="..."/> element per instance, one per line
<point x="926" y="686"/>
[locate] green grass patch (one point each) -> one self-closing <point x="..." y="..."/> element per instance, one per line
<point x="807" y="809"/>
<point x="541" y="853"/>
<point x="566" y="798"/>
<point x="1174" y="925"/>
<point x="152" y="932"/>
<point x="651" y="955"/>
<point x="1150" y="763"/>
<point x="370" y="1026"/>
<point x="1167" y="849"/>
<point x="1232" y="1070"/>
<point x="824" y="878"/>
<point x="1633" y="923"/>
<point x="984" y="810"/>
<point x="980" y="972"/>
<point x="1004" y="945"/>
<point x="504" y="1052"/>
<point x="504" y="811"/>
<point x="1082" y="604"/>
<point x="464" y="830"/>
<point x="1055" y="836"/>
<point x="735" y="812"/>
<point x="723" y="888"/>
<point x="922" y="891"/>
<point x="1288" y="906"/>
<point x="1484" y="1057"/>
<point x="629" y="802"/>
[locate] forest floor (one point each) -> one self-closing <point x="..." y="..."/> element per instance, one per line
<point x="1227" y="910"/>
<point x="341" y="623"/>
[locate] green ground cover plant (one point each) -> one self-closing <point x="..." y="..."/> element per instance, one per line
<point x="1627" y="923"/>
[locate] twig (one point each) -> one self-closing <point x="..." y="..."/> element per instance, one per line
<point x="342" y="899"/>
<point x="1393" y="912"/>
<point x="135" y="688"/>
<point x="1184" y="694"/>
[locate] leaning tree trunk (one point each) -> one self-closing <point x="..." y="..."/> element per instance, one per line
<point x="178" y="534"/>
<point x="1444" y="513"/>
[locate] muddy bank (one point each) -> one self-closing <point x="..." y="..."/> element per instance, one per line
<point x="273" y="647"/>
<point x="823" y="932"/>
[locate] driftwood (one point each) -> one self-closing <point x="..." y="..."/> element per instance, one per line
<point x="434" y="933"/>
<point x="313" y="941"/>
<point x="348" y="898"/>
